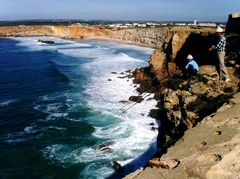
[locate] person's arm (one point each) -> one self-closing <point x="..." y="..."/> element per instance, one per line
<point x="212" y="48"/>
<point x="186" y="67"/>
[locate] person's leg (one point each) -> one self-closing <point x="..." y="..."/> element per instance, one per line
<point x="217" y="67"/>
<point x="223" y="69"/>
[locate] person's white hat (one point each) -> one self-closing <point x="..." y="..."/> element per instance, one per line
<point x="189" y="57"/>
<point x="219" y="29"/>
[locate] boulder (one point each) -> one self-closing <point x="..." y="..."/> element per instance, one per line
<point x="105" y="148"/>
<point x="170" y="100"/>
<point x="165" y="163"/>
<point x="116" y="166"/>
<point x="137" y="99"/>
<point x="154" y="113"/>
<point x="141" y="75"/>
<point x="159" y="64"/>
<point x="199" y="88"/>
<point x="46" y="41"/>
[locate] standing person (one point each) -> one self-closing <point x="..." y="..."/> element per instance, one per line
<point x="192" y="67"/>
<point x="220" y="49"/>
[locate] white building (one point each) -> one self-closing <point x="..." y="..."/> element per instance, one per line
<point x="181" y="24"/>
<point x="195" y="22"/>
<point x="207" y="24"/>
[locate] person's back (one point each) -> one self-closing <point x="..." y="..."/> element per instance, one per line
<point x="192" y="66"/>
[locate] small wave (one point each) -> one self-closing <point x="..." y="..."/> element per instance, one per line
<point x="94" y="171"/>
<point x="30" y="129"/>
<point x="21" y="137"/>
<point x="55" y="152"/>
<point x="60" y="75"/>
<point x="7" y="102"/>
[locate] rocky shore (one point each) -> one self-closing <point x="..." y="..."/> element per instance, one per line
<point x="200" y="122"/>
<point x="209" y="150"/>
<point x="194" y="141"/>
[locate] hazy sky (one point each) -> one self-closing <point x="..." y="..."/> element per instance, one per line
<point x="160" y="10"/>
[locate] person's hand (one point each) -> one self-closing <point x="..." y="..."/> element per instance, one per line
<point x="211" y="48"/>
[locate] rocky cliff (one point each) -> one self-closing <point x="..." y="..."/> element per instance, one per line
<point x="72" y="31"/>
<point x="206" y="143"/>
<point x="152" y="37"/>
<point x="183" y="102"/>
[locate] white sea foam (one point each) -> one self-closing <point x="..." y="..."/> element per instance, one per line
<point x="132" y="136"/>
<point x="21" y="136"/>
<point x="60" y="44"/>
<point x="30" y="129"/>
<point x="7" y="102"/>
<point x="130" y="132"/>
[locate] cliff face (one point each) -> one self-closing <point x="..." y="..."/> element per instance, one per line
<point x="152" y="37"/>
<point x="73" y="31"/>
<point x="233" y="25"/>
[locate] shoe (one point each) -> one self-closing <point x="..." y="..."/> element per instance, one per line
<point x="227" y="80"/>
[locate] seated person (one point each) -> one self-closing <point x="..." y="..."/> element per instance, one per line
<point x="192" y="67"/>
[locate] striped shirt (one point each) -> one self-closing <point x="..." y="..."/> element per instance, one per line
<point x="221" y="44"/>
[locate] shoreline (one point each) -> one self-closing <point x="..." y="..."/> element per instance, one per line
<point x="116" y="41"/>
<point x="143" y="121"/>
<point x="180" y="40"/>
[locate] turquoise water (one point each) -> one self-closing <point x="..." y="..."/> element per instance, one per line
<point x="60" y="102"/>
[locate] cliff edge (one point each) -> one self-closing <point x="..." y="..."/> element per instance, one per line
<point x="210" y="150"/>
<point x="199" y="115"/>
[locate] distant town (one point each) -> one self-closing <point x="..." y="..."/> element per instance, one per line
<point x="160" y="24"/>
<point x="112" y="24"/>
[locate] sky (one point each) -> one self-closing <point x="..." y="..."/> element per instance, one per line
<point x="155" y="10"/>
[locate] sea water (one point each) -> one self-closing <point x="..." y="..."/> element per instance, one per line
<point x="60" y="102"/>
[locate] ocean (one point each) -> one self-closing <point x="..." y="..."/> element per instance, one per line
<point x="60" y="103"/>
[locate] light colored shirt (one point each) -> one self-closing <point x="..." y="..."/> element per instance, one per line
<point x="192" y="65"/>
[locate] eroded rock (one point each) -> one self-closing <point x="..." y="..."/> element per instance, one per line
<point x="137" y="99"/>
<point x="166" y="163"/>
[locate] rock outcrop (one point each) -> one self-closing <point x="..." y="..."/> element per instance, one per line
<point x="233" y="25"/>
<point x="209" y="150"/>
<point x="159" y="64"/>
<point x="46" y="41"/>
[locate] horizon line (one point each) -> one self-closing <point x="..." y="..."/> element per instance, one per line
<point x="107" y="20"/>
